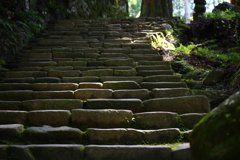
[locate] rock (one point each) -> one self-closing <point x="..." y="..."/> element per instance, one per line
<point x="223" y="7"/>
<point x="216" y="136"/>
<point x="182" y="152"/>
<point x="213" y="78"/>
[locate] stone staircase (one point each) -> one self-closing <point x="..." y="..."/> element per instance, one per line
<point x="95" y="90"/>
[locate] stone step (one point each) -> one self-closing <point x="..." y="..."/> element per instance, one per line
<point x="119" y="62"/>
<point x="153" y="67"/>
<point x="146" y="73"/>
<point x="48" y="104"/>
<point x="137" y="79"/>
<point x="54" y="86"/>
<point x="116" y="85"/>
<point x="72" y="63"/>
<point x="143" y="51"/>
<point x="146" y="57"/>
<point x="21" y="74"/>
<point x="131" y="136"/>
<point x="180" y="105"/>
<point x="10" y="105"/>
<point x="162" y="78"/>
<point x="169" y="92"/>
<point x="80" y="79"/>
<point x="104" y="118"/>
<point x="93" y="85"/>
<point x="152" y="85"/>
<point x="39" y="64"/>
<point x="53" y="95"/>
<point x="135" y="105"/>
<point x="90" y="93"/>
<point x="16" y="95"/>
<point x="142" y="94"/>
<point x="37" y="55"/>
<point x="64" y="73"/>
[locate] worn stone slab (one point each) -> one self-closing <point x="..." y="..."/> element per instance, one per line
<point x="54" y="86"/>
<point x="19" y="152"/>
<point x="153" y="67"/>
<point x="19" y="74"/>
<point x="53" y="95"/>
<point x="53" y="133"/>
<point x="119" y="72"/>
<point x="10" y="105"/>
<point x="152" y="85"/>
<point x="80" y="79"/>
<point x="68" y="55"/>
<point x="156" y="120"/>
<point x="169" y="92"/>
<point x="181" y="105"/>
<point x="16" y="95"/>
<point x="27" y="69"/>
<point x="190" y="119"/>
<point x="11" y="131"/>
<point x="57" y="151"/>
<point x="90" y="93"/>
<point x="95" y="63"/>
<point x="115" y="85"/>
<point x="139" y="57"/>
<point x="14" y="86"/>
<point x="64" y="73"/>
<point x="72" y="63"/>
<point x="137" y="79"/>
<point x="182" y="152"/>
<point x="48" y="104"/>
<point x="91" y="55"/>
<point x="127" y="152"/>
<point x="53" y="118"/>
<point x="96" y="85"/>
<point x="19" y="80"/>
<point x="13" y="117"/>
<point x="47" y="80"/>
<point x="3" y="153"/>
<point x="146" y="73"/>
<point x="142" y="94"/>
<point x="61" y="49"/>
<point x="101" y="118"/>
<point x="98" y="72"/>
<point x="143" y="51"/>
<point x="116" y="50"/>
<point x="137" y="45"/>
<point x="113" y="55"/>
<point x="39" y="64"/>
<point x="85" y="59"/>
<point x="149" y="63"/>
<point x="135" y="105"/>
<point x="49" y="68"/>
<point x="162" y="78"/>
<point x="130" y="136"/>
<point x="119" y="62"/>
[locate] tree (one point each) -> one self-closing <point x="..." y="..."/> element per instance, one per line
<point x="156" y="8"/>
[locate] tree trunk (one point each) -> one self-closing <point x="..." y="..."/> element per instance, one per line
<point x="156" y="8"/>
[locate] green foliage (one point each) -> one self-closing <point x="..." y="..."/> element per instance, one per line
<point x="134" y="8"/>
<point x="185" y="49"/>
<point x="163" y="42"/>
<point x="228" y="14"/>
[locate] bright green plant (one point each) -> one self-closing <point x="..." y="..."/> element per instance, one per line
<point x="162" y="42"/>
<point x="228" y="14"/>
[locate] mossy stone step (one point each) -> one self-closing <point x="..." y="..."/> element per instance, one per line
<point x="8" y="131"/>
<point x="44" y="151"/>
<point x="38" y="55"/>
<point x="98" y="72"/>
<point x="142" y="94"/>
<point x="96" y="85"/>
<point x="14" y="86"/>
<point x="80" y="79"/>
<point x="64" y="73"/>
<point x="116" y="50"/>
<point x="85" y="94"/>
<point x="143" y="51"/>
<point x="16" y="95"/>
<point x="162" y="78"/>
<point x="39" y="64"/>
<point x="146" y="73"/>
<point x="146" y="57"/>
<point x="119" y="62"/>
<point x="87" y="50"/>
<point x="136" y="45"/>
<point x="37" y="51"/>
<point x="27" y="69"/>
<point x="19" y="80"/>
<point x="55" y="118"/>
<point x="169" y="92"/>
<point x="53" y="95"/>
<point x="13" y="117"/>
<point x="10" y="105"/>
<point x="21" y="74"/>
<point x="131" y="136"/>
<point x="72" y="63"/>
<point x="105" y="118"/>
<point x="153" y="67"/>
<point x="49" y="104"/>
<point x="47" y="133"/>
<point x="156" y="120"/>
<point x="54" y="86"/>
<point x="119" y="72"/>
<point x="190" y="119"/>
<point x="137" y="79"/>
<point x="115" y="85"/>
<point x="68" y="55"/>
<point x="148" y="63"/>
<point x="135" y="105"/>
<point x="51" y="68"/>
<point x="180" y="105"/>
<point x="47" y="80"/>
<point x="127" y="152"/>
<point x="152" y="85"/>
